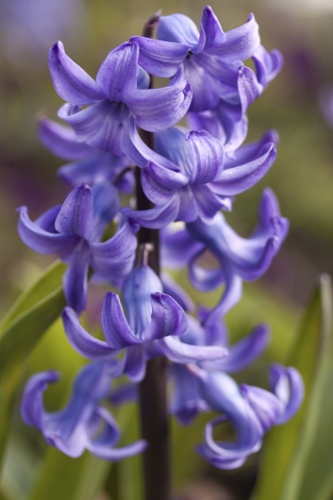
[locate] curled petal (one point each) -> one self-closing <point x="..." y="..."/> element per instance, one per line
<point x="249" y="88"/>
<point x="167" y="318"/>
<point x="211" y="32"/>
<point x="116" y="454"/>
<point x="113" y="259"/>
<point x="178" y="28"/>
<point x="268" y="64"/>
<point x="266" y="405"/>
<point x="230" y="297"/>
<point x="240" y="178"/>
<point x="75" y="279"/>
<point x="159" y="184"/>
<point x="115" y="327"/>
<point x="204" y="279"/>
<point x="287" y="385"/>
<point x="135" y="363"/>
<point x="154" y="218"/>
<point x="160" y="58"/>
<point x="171" y="287"/>
<point x="117" y="76"/>
<point x="61" y="140"/>
<point x="32" y="401"/>
<point x="187" y="400"/>
<point x="100" y="125"/>
<point x="70" y="81"/>
<point x="238" y="44"/>
<point x="43" y="241"/>
<point x="76" y="213"/>
<point x="246" y="350"/>
<point x="83" y="423"/>
<point x="159" y="109"/>
<point x="223" y="395"/>
<point x="81" y="340"/>
<point x="179" y="352"/>
<point x="178" y="247"/>
<point x="246" y="153"/>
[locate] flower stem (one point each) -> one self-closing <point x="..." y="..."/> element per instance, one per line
<point x="152" y="390"/>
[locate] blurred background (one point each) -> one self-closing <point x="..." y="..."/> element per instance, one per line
<point x="299" y="104"/>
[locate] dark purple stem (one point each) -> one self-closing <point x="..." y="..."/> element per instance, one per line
<point x="152" y="390"/>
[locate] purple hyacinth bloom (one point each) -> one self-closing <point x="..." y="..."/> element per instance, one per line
<point x="152" y="323"/>
<point x="84" y="424"/>
<point x="189" y="177"/>
<point x="210" y="59"/>
<point x="187" y="399"/>
<point x="177" y="175"/>
<point x="252" y="411"/>
<point x="87" y="165"/>
<point x="119" y="92"/>
<point x="238" y="258"/>
<point x="72" y="232"/>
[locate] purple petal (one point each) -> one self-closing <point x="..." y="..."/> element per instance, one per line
<point x="160" y="58"/>
<point x="75" y="279"/>
<point x="100" y="125"/>
<point x="178" y="247"/>
<point x="42" y="241"/>
<point x="158" y="109"/>
<point x="70" y="81"/>
<point x="115" y="327"/>
<point x="247" y="350"/>
<point x="203" y="279"/>
<point x="167" y="318"/>
<point x="230" y="297"/>
<point x="154" y="218"/>
<point x="135" y="363"/>
<point x="61" y="140"/>
<point x="81" y="340"/>
<point x="246" y="153"/>
<point x="76" y="213"/>
<point x="249" y="88"/>
<point x="32" y="401"/>
<point x="179" y="352"/>
<point x="211" y="32"/>
<point x="178" y="28"/>
<point x="208" y="156"/>
<point x="238" y="179"/>
<point x="116" y="454"/>
<point x="268" y="64"/>
<point x="171" y="287"/>
<point x="266" y="405"/>
<point x="288" y="386"/>
<point x="117" y="76"/>
<point x="239" y="44"/>
<point x="186" y="401"/>
<point x="113" y="259"/>
<point x="159" y="184"/>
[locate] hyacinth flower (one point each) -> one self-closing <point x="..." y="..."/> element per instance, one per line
<point x="186" y="176"/>
<point x="87" y="165"/>
<point x="72" y="232"/>
<point x="252" y="411"/>
<point x="187" y="400"/>
<point x="238" y="258"/>
<point x="210" y="59"/>
<point x="176" y="176"/>
<point x="84" y="424"/>
<point x="119" y="92"/>
<point x="152" y="323"/>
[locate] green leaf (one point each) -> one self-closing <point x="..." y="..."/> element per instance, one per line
<point x="288" y="447"/>
<point x="46" y="284"/>
<point x="29" y="318"/>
